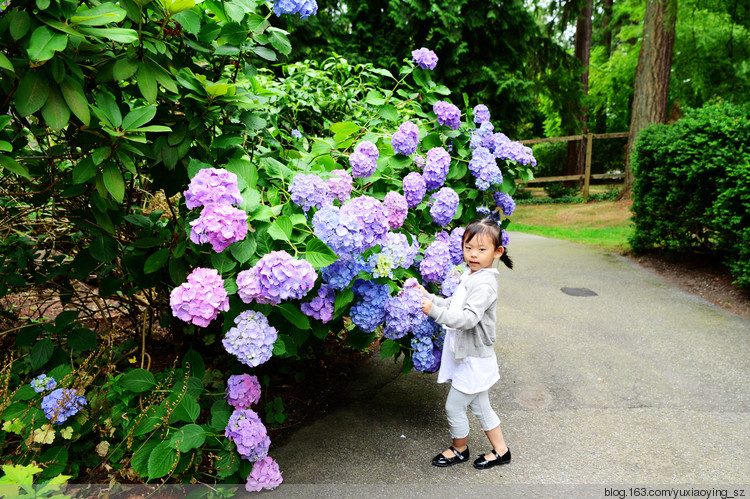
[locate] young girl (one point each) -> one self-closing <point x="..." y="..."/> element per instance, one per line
<point x="469" y="359"/>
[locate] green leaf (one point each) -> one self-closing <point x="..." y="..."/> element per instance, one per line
<point x="19" y="23"/>
<point x="194" y="359"/>
<point x="113" y="181"/>
<point x="188" y="410"/>
<point x="41" y="352"/>
<point x="124" y="68"/>
<point x="189" y="437"/>
<point x="109" y="108"/>
<point x="442" y="90"/>
<point x="189" y="20"/>
<point x="389" y="113"/>
<point x="222" y="262"/>
<point x="5" y="63"/>
<point x="25" y="392"/>
<point x="292" y="314"/>
<point x="280" y="42"/>
<point x="139" y="220"/>
<point x="162" y="460"/>
<point x="319" y="254"/>
<point x="82" y="340"/>
<point x="44" y="43"/>
<point x="227" y="463"/>
<point x="138" y="117"/>
<point x="257" y="23"/>
<point x="55" y="112"/>
<point x="375" y="98"/>
<point x="32" y="92"/>
<point x="104" y="248"/>
<point x="11" y="165"/>
<point x="281" y="229"/>
<point x="344" y="129"/>
<point x="245" y="171"/>
<point x="139" y="462"/>
<point x="138" y="380"/>
<point x="343" y="299"/>
<point x="147" y="84"/>
<point x="75" y="99"/>
<point x="148" y="421"/>
<point x="253" y="121"/>
<point x="243" y="250"/>
<point x="234" y="33"/>
<point x="220" y="414"/>
<point x="120" y="35"/>
<point x="156" y="261"/>
<point x="389" y="348"/>
<point x="105" y="13"/>
<point x="265" y="53"/>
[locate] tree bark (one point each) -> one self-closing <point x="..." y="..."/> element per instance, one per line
<point x="651" y="87"/>
<point x="576" y="156"/>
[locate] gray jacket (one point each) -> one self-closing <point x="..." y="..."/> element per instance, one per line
<point x="475" y="322"/>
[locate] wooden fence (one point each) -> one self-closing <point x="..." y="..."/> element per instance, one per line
<point x="587" y="176"/>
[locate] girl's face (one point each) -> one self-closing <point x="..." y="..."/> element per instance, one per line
<point x="480" y="252"/>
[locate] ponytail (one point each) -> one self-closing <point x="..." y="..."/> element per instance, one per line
<point x="506" y="259"/>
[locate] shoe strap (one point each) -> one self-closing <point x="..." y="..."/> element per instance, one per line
<point x="495" y="453"/>
<point x="459" y="455"/>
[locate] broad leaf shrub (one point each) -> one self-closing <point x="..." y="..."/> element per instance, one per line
<point x="692" y="189"/>
<point x="149" y="154"/>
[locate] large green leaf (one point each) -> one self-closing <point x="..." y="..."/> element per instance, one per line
<point x="189" y="437"/>
<point x="280" y="42"/>
<point x="82" y="340"/>
<point x="121" y="35"/>
<point x="243" y="250"/>
<point x="188" y="410"/>
<point x="138" y="380"/>
<point x="104" y="248"/>
<point x="139" y="462"/>
<point x="75" y="99"/>
<point x="281" y="229"/>
<point x="156" y="261"/>
<point x="104" y="13"/>
<point x="12" y="165"/>
<point x="107" y="105"/>
<point x="294" y="316"/>
<point x="44" y="43"/>
<point x="113" y="181"/>
<point x="5" y="63"/>
<point x="32" y="92"/>
<point x="41" y="352"/>
<point x="389" y="113"/>
<point x="55" y="112"/>
<point x="147" y="83"/>
<point x="124" y="68"/>
<point x="319" y="254"/>
<point x="162" y="460"/>
<point x="138" y="117"/>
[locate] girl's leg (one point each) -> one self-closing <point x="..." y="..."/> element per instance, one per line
<point x="455" y="409"/>
<point x="481" y="407"/>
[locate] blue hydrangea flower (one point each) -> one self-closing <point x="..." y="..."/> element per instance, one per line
<point x="342" y="232"/>
<point x="425" y="58"/>
<point x="428" y="328"/>
<point x="368" y="312"/>
<point x="436" y="261"/>
<point x="322" y="306"/>
<point x="505" y="238"/>
<point x="212" y="185"/>
<point x="396" y="252"/>
<point x="396" y="208"/>
<point x="340" y="273"/>
<point x="276" y="277"/>
<point x="220" y="225"/>
<point x="340" y="185"/>
<point x="452" y="278"/>
<point x="484" y="167"/>
<point x="42" y="383"/>
<point x="505" y="203"/>
<point x="444" y="206"/>
<point x="422" y="356"/>
<point x="436" y="168"/>
<point x="405" y="139"/>
<point x="481" y="114"/>
<point x="483" y="210"/>
<point x="61" y="404"/>
<point x="305" y="8"/>
<point x="296" y="133"/>
<point x="455" y="241"/>
<point x="372" y="216"/>
<point x="364" y="159"/>
<point x="310" y="191"/>
<point x="199" y="299"/>
<point x="447" y="114"/>
<point x="415" y="188"/>
<point x="248" y="433"/>
<point x="515" y="151"/>
<point x="403" y="313"/>
<point x="252" y="339"/>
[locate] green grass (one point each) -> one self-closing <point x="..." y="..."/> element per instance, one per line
<point x="604" y="224"/>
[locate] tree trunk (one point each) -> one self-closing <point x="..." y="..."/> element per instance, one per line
<point x="576" y="157"/>
<point x="600" y="122"/>
<point x="651" y="87"/>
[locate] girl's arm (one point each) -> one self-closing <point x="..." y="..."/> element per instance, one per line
<point x="477" y="302"/>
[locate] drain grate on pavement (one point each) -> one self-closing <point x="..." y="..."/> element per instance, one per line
<point x="578" y="291"/>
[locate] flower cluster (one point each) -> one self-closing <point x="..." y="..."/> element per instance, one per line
<point x="505" y="238"/>
<point x="481" y="114"/>
<point x="321" y="307"/>
<point x="276" y="277"/>
<point x="340" y="185"/>
<point x="372" y="217"/>
<point x="444" y="206"/>
<point x="505" y="203"/>
<point x="515" y="151"/>
<point x="452" y="278"/>
<point x="436" y="168"/>
<point x="396" y="252"/>
<point x="220" y="225"/>
<point x="42" y="383"/>
<point x="447" y="114"/>
<point x="341" y="232"/>
<point x="364" y="159"/>
<point x="242" y="391"/>
<point x="425" y="58"/>
<point x="437" y="259"/>
<point x="415" y="188"/>
<point x="62" y="403"/>
<point x="423" y="357"/>
<point x="248" y="433"/>
<point x="368" y="312"/>
<point x="296" y="133"/>
<point x="405" y="139"/>
<point x="396" y="209"/>
<point x="264" y="476"/>
<point x="252" y="339"/>
<point x="483" y="166"/>
<point x="340" y="273"/>
<point x="199" y="300"/>
<point x="403" y="313"/>
<point x="212" y="185"/>
<point x="305" y="8"/>
<point x="310" y="191"/>
<point x="456" y="243"/>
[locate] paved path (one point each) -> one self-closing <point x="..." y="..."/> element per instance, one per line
<point x="641" y="384"/>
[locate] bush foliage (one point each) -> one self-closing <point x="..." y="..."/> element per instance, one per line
<point x="692" y="189"/>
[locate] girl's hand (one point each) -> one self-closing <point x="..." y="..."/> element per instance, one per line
<point x="426" y="305"/>
<point x="421" y="288"/>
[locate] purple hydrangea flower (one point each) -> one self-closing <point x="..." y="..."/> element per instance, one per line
<point x="305" y="8"/>
<point x="340" y="185"/>
<point x="212" y="185"/>
<point x="447" y="114"/>
<point x="452" y="278"/>
<point x="505" y="203"/>
<point x="481" y="114"/>
<point x="248" y="433"/>
<point x="444" y="206"/>
<point x="456" y="243"/>
<point x="422" y="357"/>
<point x="436" y="262"/>
<point x="252" y="339"/>
<point x="368" y="312"/>
<point x="364" y="159"/>
<point x="199" y="299"/>
<point x="372" y="216"/>
<point x="405" y="139"/>
<point x="342" y="232"/>
<point x="415" y="188"/>
<point x="296" y="133"/>
<point x="396" y="252"/>
<point x="484" y="167"/>
<point x="419" y="161"/>
<point x="62" y="403"/>
<point x="504" y="238"/>
<point x="310" y="191"/>
<point x="321" y="307"/>
<point x="265" y="475"/>
<point x="425" y="58"/>
<point x="42" y="383"/>
<point x="436" y="168"/>
<point x="428" y="328"/>
<point x="340" y="273"/>
<point x="220" y="225"/>
<point x="396" y="208"/>
<point x="483" y="210"/>
<point x="242" y="391"/>
<point x="276" y="277"/>
<point x="515" y="151"/>
<point x="403" y="313"/>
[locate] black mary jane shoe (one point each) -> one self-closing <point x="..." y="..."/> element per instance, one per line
<point x="481" y="463"/>
<point x="442" y="461"/>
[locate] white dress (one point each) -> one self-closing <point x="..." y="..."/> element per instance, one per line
<point x="475" y="374"/>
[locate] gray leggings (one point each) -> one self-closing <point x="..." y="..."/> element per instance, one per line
<point x="455" y="408"/>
